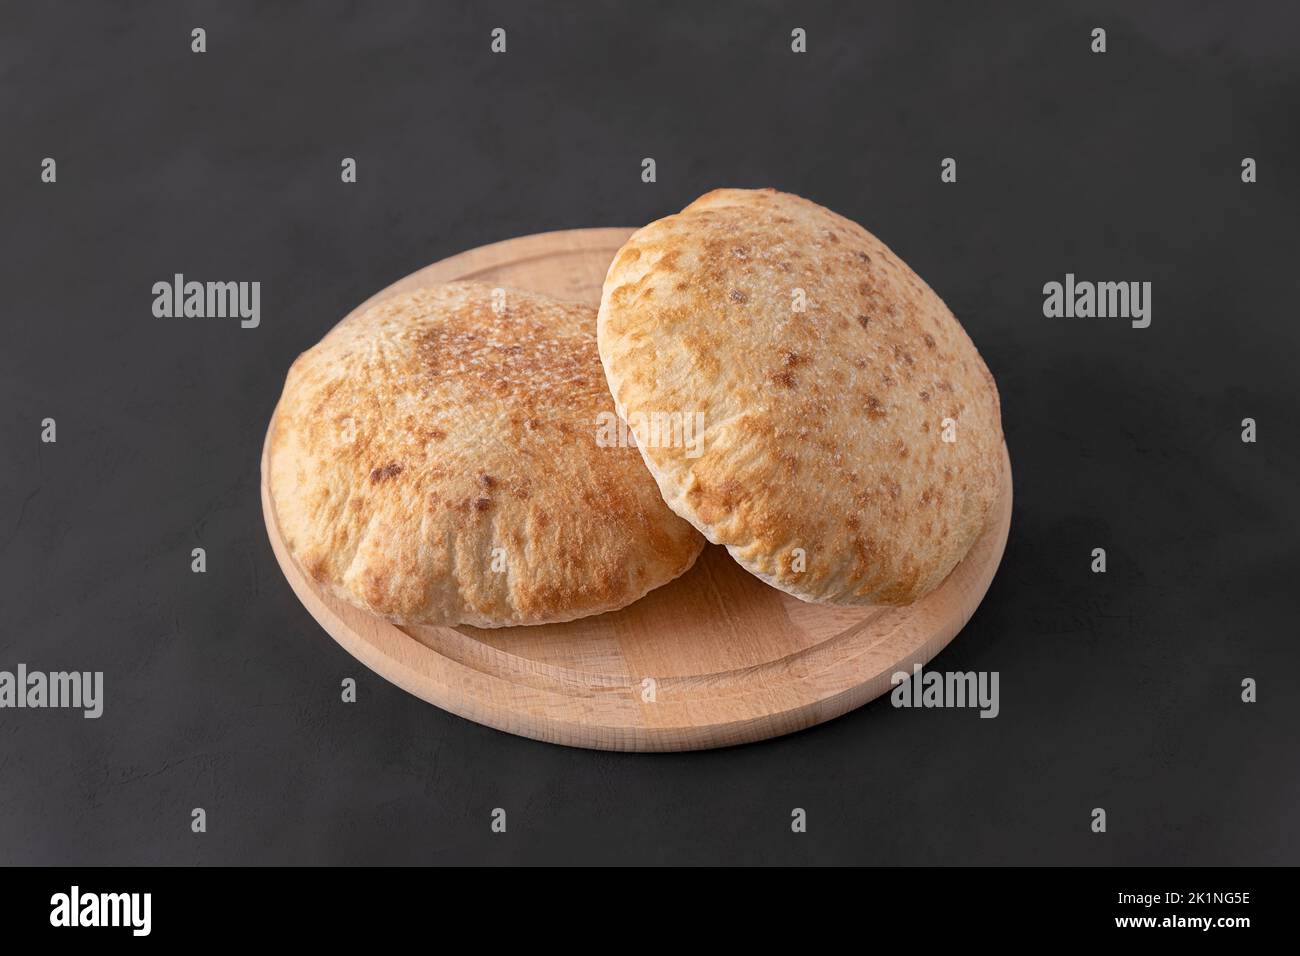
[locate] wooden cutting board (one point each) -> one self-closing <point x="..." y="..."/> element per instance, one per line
<point x="712" y="659"/>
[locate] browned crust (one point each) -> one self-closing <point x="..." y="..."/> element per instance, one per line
<point x="825" y="426"/>
<point x="421" y="436"/>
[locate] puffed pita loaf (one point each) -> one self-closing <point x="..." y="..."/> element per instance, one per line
<point x="421" y="436"/>
<point x="823" y="466"/>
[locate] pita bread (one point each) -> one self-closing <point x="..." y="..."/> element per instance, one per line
<point x="825" y="370"/>
<point x="435" y="462"/>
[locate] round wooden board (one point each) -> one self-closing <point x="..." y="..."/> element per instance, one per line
<point x="731" y="659"/>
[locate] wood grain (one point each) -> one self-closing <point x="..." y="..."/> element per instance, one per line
<point x="729" y="659"/>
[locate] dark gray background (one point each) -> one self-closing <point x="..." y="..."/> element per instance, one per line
<point x="1118" y="690"/>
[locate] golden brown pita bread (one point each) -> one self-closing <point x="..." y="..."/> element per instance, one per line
<point x="436" y="462"/>
<point x="828" y="375"/>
